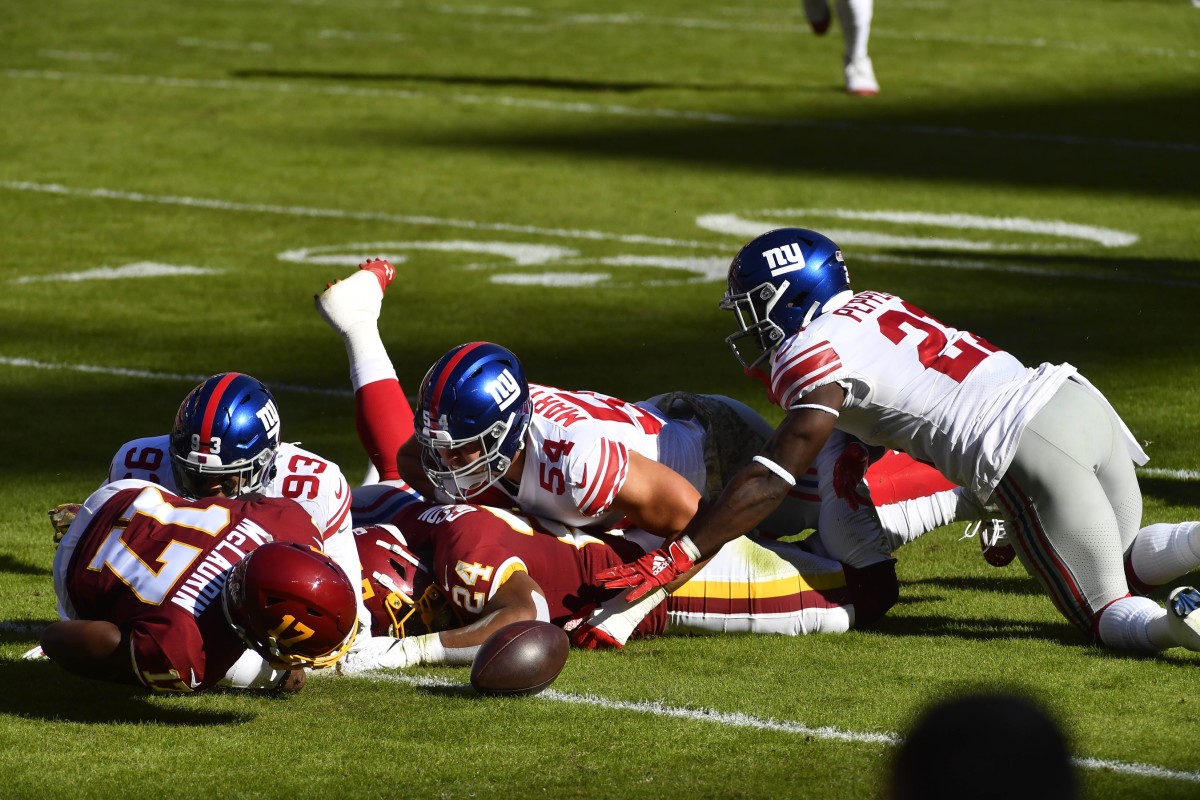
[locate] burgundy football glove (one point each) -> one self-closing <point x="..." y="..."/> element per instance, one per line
<point x="655" y="569"/>
<point x="848" y="473"/>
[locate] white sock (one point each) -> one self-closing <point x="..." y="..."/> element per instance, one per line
<point x="369" y="368"/>
<point x="1136" y="623"/>
<point x="908" y="519"/>
<point x="1162" y="552"/>
<point x="855" y="19"/>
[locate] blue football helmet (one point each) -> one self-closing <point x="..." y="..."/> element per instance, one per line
<point x="780" y="282"/>
<point x="472" y="415"/>
<point x="225" y="437"/>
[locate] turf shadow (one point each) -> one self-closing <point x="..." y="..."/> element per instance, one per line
<point x="17" y="567"/>
<point x="1183" y="493"/>
<point x="491" y="81"/>
<point x="978" y="629"/>
<point x="1095" y="144"/>
<point x="46" y="692"/>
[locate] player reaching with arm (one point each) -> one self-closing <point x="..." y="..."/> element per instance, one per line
<point x="492" y="567"/>
<point x="484" y="433"/>
<point x="241" y="596"/>
<point x="1042" y="442"/>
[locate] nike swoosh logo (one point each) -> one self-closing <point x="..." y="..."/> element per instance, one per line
<point x="194" y="683"/>
<point x="583" y="478"/>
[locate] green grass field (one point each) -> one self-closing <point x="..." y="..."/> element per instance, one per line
<point x="178" y="179"/>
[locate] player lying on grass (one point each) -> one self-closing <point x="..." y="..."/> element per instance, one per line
<point x="1041" y="442"/>
<point x="584" y="459"/>
<point x="492" y="567"/>
<point x="182" y="595"/>
<point x="226" y="442"/>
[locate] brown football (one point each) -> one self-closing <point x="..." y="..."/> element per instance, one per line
<point x="521" y="658"/>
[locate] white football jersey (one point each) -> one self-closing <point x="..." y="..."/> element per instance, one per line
<point x="312" y="481"/>
<point x="944" y="396"/>
<point x="577" y="453"/>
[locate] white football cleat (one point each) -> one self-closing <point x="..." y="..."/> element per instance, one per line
<point x="818" y="16"/>
<point x="1183" y="617"/>
<point x="860" y="77"/>
<point x="352" y="300"/>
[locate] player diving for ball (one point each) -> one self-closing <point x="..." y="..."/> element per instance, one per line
<point x="489" y="436"/>
<point x="1042" y="442"/>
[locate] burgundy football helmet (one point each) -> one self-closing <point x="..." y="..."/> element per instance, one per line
<point x="398" y="588"/>
<point x="292" y="605"/>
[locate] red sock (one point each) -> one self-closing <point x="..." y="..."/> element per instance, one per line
<point x="384" y="420"/>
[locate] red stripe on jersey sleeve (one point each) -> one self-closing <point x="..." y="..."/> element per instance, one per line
<point x="614" y="466"/>
<point x="796" y="375"/>
<point x="339" y="516"/>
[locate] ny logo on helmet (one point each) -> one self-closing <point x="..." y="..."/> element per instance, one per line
<point x="504" y="390"/>
<point x="268" y="415"/>
<point x="787" y="258"/>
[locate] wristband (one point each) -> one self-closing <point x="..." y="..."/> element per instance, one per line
<point x="775" y="468"/>
<point x="816" y="407"/>
<point x="689" y="546"/>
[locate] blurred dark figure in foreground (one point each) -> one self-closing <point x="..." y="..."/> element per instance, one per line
<point x="950" y="753"/>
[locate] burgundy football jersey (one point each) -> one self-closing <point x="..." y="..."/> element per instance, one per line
<point x="154" y="565"/>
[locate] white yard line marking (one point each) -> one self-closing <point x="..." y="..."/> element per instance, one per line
<point x="80" y="55"/>
<point x="160" y="376"/>
<point x="142" y="269"/>
<point x="213" y="44"/>
<point x="354" y="36"/>
<point x="741" y="720"/>
<point x="706" y="269"/>
<point x="1170" y="474"/>
<point x="334" y="213"/>
<point x="602" y="110"/>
